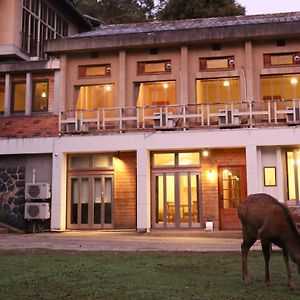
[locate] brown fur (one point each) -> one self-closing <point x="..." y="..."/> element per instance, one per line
<point x="263" y="217"/>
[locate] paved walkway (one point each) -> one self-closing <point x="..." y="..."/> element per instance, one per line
<point x="123" y="241"/>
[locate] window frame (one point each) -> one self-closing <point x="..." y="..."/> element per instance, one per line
<point x="273" y="168"/>
<point x="2" y="112"/>
<point x="12" y="102"/>
<point x="203" y="63"/>
<point x="141" y="67"/>
<point x="267" y="59"/>
<point x="34" y="82"/>
<point x="82" y="71"/>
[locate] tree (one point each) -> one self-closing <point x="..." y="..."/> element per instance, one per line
<point x="117" y="11"/>
<point x="182" y="9"/>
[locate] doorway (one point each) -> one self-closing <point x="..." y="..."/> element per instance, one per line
<point x="90" y="201"/>
<point x="176" y="200"/>
<point x="232" y="191"/>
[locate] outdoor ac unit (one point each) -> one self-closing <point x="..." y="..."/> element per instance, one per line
<point x="37" y="211"/>
<point x="290" y="114"/>
<point x="231" y="118"/>
<point x="163" y="120"/>
<point x="37" y="191"/>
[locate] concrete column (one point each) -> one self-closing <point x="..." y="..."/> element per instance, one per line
<point x="59" y="192"/>
<point x="56" y="92"/>
<point x="143" y="190"/>
<point x="7" y="96"/>
<point x="252" y="170"/>
<point x="248" y="71"/>
<point x="122" y="79"/>
<point x="280" y="175"/>
<point x="63" y="85"/>
<point x="28" y="97"/>
<point x="184" y="94"/>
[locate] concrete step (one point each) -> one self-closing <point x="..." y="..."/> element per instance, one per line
<point x="3" y="230"/>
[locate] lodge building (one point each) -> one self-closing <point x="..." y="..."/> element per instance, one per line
<point x="153" y="125"/>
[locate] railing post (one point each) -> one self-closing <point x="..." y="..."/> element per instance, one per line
<point x="103" y="118"/>
<point x="59" y="121"/>
<point x="184" y="116"/>
<point x="250" y="113"/>
<point x="208" y="116"/>
<point x="269" y="111"/>
<point x="143" y="116"/>
<point x="98" y="119"/>
<point x="275" y="112"/>
<point x="120" y="118"/>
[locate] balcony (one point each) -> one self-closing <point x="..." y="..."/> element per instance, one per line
<point x="181" y="117"/>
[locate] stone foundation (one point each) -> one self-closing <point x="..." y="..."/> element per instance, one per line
<point x="12" y="196"/>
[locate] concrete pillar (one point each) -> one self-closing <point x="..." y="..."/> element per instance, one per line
<point x="122" y="80"/>
<point x="248" y="72"/>
<point x="280" y="175"/>
<point x="59" y="192"/>
<point x="28" y="95"/>
<point x="184" y="95"/>
<point x="143" y="190"/>
<point x="252" y="170"/>
<point x="63" y="85"/>
<point x="56" y="92"/>
<point x="7" y="96"/>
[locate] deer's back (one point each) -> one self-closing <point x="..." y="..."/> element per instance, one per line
<point x="263" y="211"/>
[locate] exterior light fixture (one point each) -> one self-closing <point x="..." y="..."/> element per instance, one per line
<point x="211" y="175"/>
<point x="165" y="85"/>
<point x="44" y="95"/>
<point x="108" y="88"/>
<point x="205" y="153"/>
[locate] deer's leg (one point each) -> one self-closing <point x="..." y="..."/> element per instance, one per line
<point x="266" y="248"/>
<point x="245" y="247"/>
<point x="288" y="271"/>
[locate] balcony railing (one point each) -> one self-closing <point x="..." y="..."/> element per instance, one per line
<point x="180" y="117"/>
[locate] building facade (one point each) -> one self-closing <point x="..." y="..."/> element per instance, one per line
<point x="158" y="125"/>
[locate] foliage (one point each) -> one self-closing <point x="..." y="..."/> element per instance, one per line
<point x="58" y="275"/>
<point x="182" y="9"/>
<point x="133" y="11"/>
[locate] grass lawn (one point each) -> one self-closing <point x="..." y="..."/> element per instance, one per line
<point x="108" y="275"/>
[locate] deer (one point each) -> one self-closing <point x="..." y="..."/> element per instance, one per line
<point x="264" y="217"/>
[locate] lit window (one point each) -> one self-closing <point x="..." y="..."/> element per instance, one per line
<point x="18" y="97"/>
<point x="164" y="159"/>
<point x="189" y="158"/>
<point x="270" y="176"/>
<point x="217" y="63"/>
<point x="102" y="160"/>
<point x="94" y="71"/>
<point x="274" y="60"/>
<point x="218" y="90"/>
<point x="40" y="96"/>
<point x="154" y="67"/>
<point x="156" y="93"/>
<point x="293" y="175"/>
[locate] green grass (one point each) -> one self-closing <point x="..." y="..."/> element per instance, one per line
<point x="108" y="275"/>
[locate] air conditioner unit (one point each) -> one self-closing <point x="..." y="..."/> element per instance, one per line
<point x="231" y="118"/>
<point x="290" y="114"/>
<point x="163" y="120"/>
<point x="37" y="211"/>
<point x="37" y="191"/>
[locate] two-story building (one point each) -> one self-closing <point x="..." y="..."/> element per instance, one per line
<point x="163" y="124"/>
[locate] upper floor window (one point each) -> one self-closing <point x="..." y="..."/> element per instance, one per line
<point x="40" y="96"/>
<point x="2" y="96"/>
<point x="218" y="90"/>
<point x="94" y="70"/>
<point x="18" y="97"/>
<point x="39" y="23"/>
<point x="155" y="93"/>
<point x="281" y="59"/>
<point x="217" y="63"/>
<point x="280" y="87"/>
<point x="154" y="67"/>
<point x="91" y="97"/>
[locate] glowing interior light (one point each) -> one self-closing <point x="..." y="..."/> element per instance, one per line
<point x="294" y="80"/>
<point x="165" y="85"/>
<point x="205" y="153"/>
<point x="108" y="88"/>
<point x="44" y="95"/>
<point x="226" y="83"/>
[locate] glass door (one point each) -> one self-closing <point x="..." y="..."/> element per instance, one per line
<point x="176" y="200"/>
<point x="90" y="202"/>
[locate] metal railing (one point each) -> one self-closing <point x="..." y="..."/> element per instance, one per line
<point x="178" y="117"/>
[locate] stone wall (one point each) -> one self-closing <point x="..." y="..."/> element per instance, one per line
<point x="12" y="196"/>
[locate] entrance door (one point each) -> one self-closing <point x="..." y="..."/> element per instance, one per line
<point x="232" y="191"/>
<point x="176" y="201"/>
<point x="90" y="201"/>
